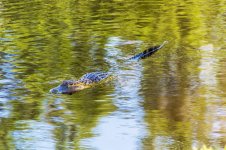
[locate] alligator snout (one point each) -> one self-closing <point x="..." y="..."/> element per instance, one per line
<point x="63" y="88"/>
<point x="54" y="91"/>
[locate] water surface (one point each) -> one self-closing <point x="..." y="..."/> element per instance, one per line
<point x="172" y="100"/>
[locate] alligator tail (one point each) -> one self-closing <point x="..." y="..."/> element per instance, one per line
<point x="148" y="52"/>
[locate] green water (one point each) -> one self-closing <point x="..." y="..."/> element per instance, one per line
<point x="175" y="99"/>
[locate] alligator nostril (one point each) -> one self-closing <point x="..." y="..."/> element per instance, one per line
<point x="54" y="91"/>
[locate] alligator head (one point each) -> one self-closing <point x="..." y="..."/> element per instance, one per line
<point x="67" y="87"/>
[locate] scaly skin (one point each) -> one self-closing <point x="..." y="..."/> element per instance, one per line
<point x="89" y="79"/>
<point x="86" y="81"/>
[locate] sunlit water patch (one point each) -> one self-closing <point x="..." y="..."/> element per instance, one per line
<point x="126" y="124"/>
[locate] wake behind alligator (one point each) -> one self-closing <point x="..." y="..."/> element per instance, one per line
<point x="92" y="78"/>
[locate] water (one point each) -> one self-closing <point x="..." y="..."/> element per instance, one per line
<point x="172" y="100"/>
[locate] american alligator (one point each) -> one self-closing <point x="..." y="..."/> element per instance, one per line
<point x="90" y="79"/>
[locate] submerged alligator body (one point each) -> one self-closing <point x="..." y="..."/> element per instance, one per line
<point x="89" y="79"/>
<point x="86" y="81"/>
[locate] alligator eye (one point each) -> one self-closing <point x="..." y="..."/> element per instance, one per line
<point x="65" y="82"/>
<point x="70" y="84"/>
